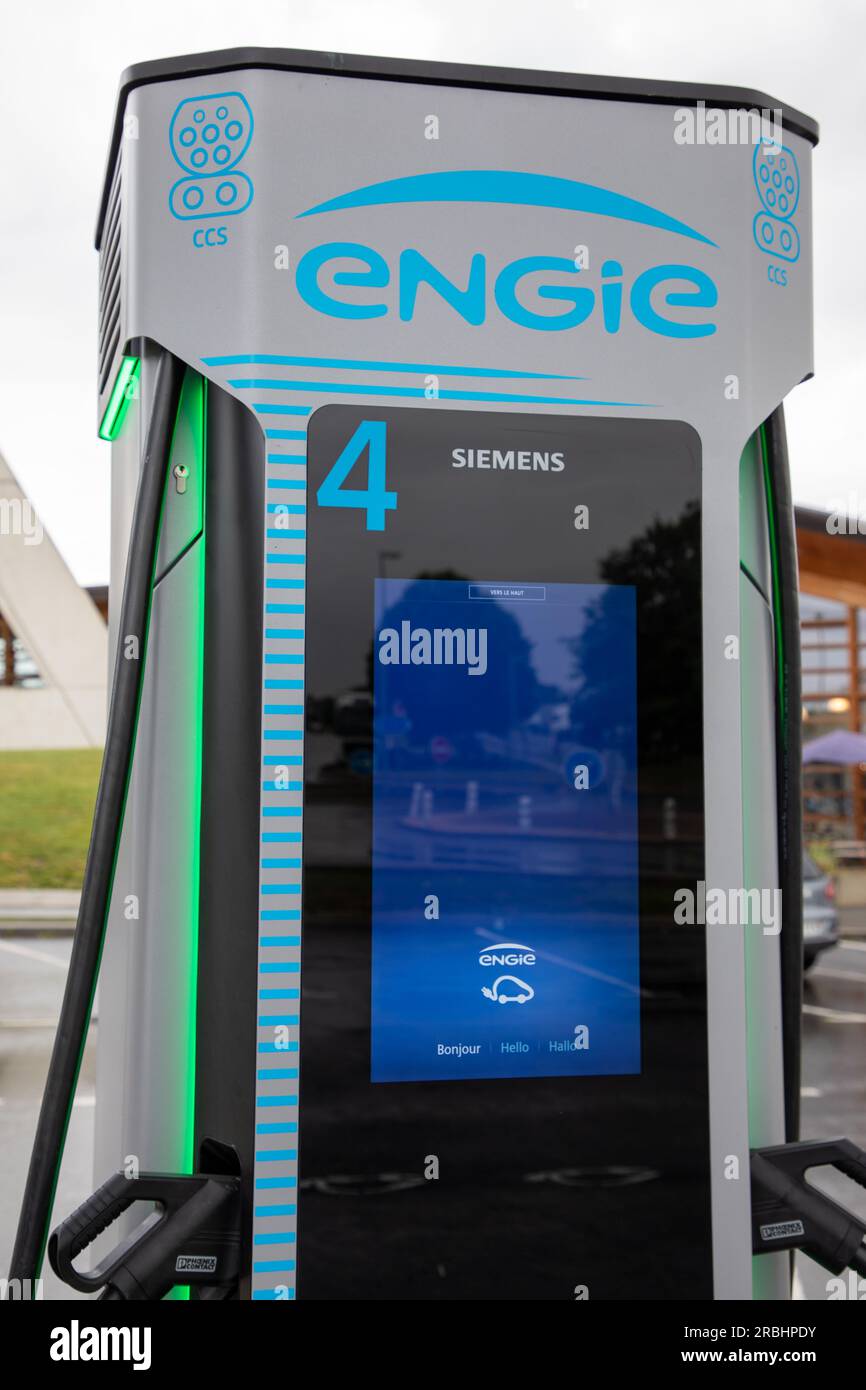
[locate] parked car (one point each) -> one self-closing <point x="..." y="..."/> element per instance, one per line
<point x="820" y="914"/>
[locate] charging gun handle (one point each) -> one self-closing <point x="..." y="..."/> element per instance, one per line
<point x="143" y="1264"/>
<point x="788" y="1213"/>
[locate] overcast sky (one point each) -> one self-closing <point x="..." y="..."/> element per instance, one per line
<point x="59" y="67"/>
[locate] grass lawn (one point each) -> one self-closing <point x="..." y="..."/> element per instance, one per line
<point x="46" y="805"/>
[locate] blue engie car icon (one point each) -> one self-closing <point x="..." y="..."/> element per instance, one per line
<point x="507" y="989"/>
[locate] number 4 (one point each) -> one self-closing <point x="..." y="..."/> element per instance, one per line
<point x="374" y="499"/>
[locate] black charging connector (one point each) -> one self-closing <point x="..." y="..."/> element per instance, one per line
<point x="192" y="1237"/>
<point x="789" y="1213"/>
<point x="89" y="938"/>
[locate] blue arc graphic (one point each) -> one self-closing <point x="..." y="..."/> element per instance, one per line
<point x="508" y="186"/>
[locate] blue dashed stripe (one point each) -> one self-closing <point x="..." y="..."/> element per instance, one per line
<point x="355" y="364"/>
<point x="339" y="388"/>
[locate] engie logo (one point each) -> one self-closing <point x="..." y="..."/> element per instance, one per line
<point x="507" y="953"/>
<point x="521" y="290"/>
<point x="507" y="989"/>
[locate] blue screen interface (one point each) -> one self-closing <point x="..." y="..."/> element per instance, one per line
<point x="505" y="928"/>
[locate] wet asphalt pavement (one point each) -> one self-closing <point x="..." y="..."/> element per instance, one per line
<point x="32" y="974"/>
<point x="834" y="1073"/>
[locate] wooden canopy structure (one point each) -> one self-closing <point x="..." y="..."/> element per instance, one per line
<point x="832" y="557"/>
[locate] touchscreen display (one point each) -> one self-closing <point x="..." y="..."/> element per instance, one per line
<point x="504" y="735"/>
<point x="503" y="1035"/>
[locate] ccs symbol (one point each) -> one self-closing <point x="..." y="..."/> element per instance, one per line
<point x="209" y="236"/>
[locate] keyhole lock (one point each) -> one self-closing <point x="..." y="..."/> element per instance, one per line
<point x="181" y="473"/>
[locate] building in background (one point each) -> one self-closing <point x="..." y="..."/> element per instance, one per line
<point x="53" y="646"/>
<point x="53" y="686"/>
<point x="833" y="630"/>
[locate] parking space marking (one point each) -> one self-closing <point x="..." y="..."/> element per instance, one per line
<point x="31" y="954"/>
<point x="823" y="974"/>
<point x="38" y="1023"/>
<point x="833" y="1015"/>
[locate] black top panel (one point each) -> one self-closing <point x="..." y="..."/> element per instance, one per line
<point x="565" y="84"/>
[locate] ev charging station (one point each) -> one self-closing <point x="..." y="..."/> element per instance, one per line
<point x="467" y="641"/>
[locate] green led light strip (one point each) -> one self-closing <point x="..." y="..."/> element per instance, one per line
<point x="122" y="392"/>
<point x="198" y="393"/>
<point x="193" y="406"/>
<point x="763" y="444"/>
